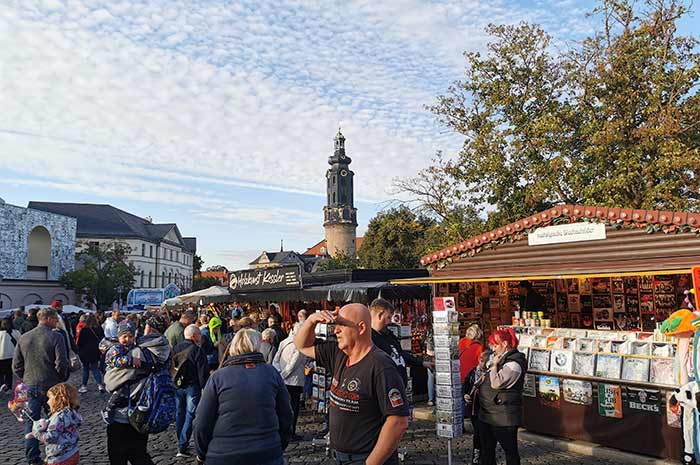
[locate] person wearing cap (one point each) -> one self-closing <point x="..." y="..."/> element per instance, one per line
<point x="124" y="443"/>
<point x="175" y="334"/>
<point x="41" y="361"/>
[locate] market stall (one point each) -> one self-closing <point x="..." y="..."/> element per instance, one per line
<point x="291" y="289"/>
<point x="570" y="277"/>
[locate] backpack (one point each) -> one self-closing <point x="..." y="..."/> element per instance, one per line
<point x="155" y="408"/>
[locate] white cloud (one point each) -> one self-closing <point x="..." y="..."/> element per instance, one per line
<point x="175" y="102"/>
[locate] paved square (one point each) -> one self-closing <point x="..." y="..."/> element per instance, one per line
<point x="421" y="443"/>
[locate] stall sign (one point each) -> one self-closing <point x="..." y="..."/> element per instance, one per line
<point x="286" y="277"/>
<point x="563" y="233"/>
<point x="609" y="400"/>
<point x="644" y="400"/>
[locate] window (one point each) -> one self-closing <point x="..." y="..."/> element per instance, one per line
<point x="333" y="180"/>
<point x="171" y="255"/>
<point x="150" y="277"/>
<point x="333" y="197"/>
<point x="177" y="256"/>
<point x="143" y="250"/>
<point x="150" y="253"/>
<point x="142" y="276"/>
<point x="162" y="284"/>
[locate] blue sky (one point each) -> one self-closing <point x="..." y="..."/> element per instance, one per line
<point x="220" y="115"/>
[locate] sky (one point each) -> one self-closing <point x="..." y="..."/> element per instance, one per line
<point x="220" y="115"/>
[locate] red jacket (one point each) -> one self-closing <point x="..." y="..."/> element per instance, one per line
<point x="469" y="353"/>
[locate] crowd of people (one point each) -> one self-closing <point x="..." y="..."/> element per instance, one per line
<point x="194" y="364"/>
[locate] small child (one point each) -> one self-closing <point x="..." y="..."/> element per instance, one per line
<point x="60" y="432"/>
<point x="118" y="355"/>
<point x="470" y="389"/>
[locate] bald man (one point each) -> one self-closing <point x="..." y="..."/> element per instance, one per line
<point x="368" y="406"/>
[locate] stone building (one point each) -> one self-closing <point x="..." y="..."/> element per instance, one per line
<point x="340" y="214"/>
<point x="36" y="248"/>
<point x="159" y="252"/>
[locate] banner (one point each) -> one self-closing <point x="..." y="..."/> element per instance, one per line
<point x="548" y="390"/>
<point x="609" y="400"/>
<point x="644" y="400"/>
<point x="578" y="392"/>
<point x="265" y="279"/>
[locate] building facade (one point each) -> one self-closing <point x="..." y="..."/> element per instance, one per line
<point x="340" y="214"/>
<point x="159" y="252"/>
<point x="36" y="249"/>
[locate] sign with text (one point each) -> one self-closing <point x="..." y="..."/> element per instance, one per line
<point x="264" y="279"/>
<point x="609" y="400"/>
<point x="560" y="234"/>
<point x="645" y="400"/>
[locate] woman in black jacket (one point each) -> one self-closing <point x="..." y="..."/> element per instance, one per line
<point x="500" y="399"/>
<point x="88" y="340"/>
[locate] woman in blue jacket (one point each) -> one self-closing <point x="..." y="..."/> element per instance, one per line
<point x="244" y="415"/>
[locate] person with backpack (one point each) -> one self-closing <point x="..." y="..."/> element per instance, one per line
<point x="9" y="337"/>
<point x="127" y="434"/>
<point x="191" y="374"/>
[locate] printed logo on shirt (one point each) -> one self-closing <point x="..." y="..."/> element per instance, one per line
<point x="343" y="399"/>
<point x="353" y="385"/>
<point x="395" y="398"/>
<point x="397" y="358"/>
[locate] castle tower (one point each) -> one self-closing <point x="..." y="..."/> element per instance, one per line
<point x="340" y="214"/>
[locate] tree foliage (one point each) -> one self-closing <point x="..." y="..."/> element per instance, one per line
<point x="396" y="238"/>
<point x="217" y="268"/>
<point x="102" y="271"/>
<point x="199" y="283"/>
<point x="197" y="264"/>
<point x="614" y="121"/>
<point x="341" y="261"/>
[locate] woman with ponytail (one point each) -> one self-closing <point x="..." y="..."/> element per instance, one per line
<point x="500" y="399"/>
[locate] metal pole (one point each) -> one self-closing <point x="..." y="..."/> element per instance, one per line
<point x="449" y="452"/>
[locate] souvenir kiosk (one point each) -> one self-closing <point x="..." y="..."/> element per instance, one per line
<point x="599" y="369"/>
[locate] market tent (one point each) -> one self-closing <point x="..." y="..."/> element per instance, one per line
<point x="197" y="296"/>
<point x="364" y="292"/>
<point x="66" y="309"/>
<point x="360" y="292"/>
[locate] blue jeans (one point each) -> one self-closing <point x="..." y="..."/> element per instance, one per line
<point x="36" y="401"/>
<point x="431" y="385"/>
<point x="186" y="403"/>
<point x="93" y="367"/>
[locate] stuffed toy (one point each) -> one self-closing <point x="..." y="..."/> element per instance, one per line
<point x="683" y="325"/>
<point x="685" y="399"/>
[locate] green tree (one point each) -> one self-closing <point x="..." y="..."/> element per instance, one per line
<point x="103" y="272"/>
<point x="395" y="238"/>
<point x="197" y="264"/>
<point x="614" y="121"/>
<point x="341" y="261"/>
<point x="199" y="283"/>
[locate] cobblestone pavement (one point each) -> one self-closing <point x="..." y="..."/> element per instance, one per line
<point x="422" y="445"/>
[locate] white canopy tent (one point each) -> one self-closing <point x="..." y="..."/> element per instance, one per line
<point x="196" y="296"/>
<point x="66" y="309"/>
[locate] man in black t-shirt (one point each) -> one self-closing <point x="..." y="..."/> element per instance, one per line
<point x="381" y="311"/>
<point x="368" y="407"/>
